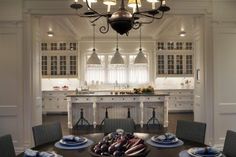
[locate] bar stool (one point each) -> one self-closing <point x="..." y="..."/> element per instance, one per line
<point x="106" y="114"/>
<point x="82" y="121"/>
<point x="153" y="120"/>
<point x="128" y="111"/>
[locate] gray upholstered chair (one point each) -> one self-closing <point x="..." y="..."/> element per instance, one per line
<point x="191" y="131"/>
<point x="230" y="143"/>
<point x="47" y="133"/>
<point x="6" y="146"/>
<point x="110" y="125"/>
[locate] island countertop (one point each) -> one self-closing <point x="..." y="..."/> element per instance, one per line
<point x="116" y="95"/>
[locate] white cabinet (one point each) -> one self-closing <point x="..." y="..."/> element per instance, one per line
<point x="179" y="100"/>
<point x="59" y="60"/>
<point x="174" y="59"/>
<point x="55" y="101"/>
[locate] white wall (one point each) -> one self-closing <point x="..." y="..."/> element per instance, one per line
<point x="11" y="82"/>
<point x="224" y="49"/>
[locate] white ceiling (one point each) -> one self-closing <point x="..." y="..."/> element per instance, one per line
<point x="78" y="28"/>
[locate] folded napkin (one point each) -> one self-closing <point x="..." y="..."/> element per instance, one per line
<point x="34" y="153"/>
<point x="72" y="138"/>
<point x="166" y="137"/>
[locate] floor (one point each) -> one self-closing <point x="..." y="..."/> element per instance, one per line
<point x="62" y="118"/>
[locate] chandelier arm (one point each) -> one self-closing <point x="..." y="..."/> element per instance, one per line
<point x="136" y="25"/>
<point x="147" y="22"/>
<point x="104" y="29"/>
<point x="91" y="8"/>
<point x="97" y="18"/>
<point x="154" y="17"/>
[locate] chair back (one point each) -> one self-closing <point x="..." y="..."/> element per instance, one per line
<point x="230" y="144"/>
<point x="191" y="131"/>
<point x="7" y="147"/>
<point x="110" y="125"/>
<point x="47" y="133"/>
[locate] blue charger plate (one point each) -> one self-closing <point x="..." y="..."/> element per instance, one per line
<point x="85" y="145"/>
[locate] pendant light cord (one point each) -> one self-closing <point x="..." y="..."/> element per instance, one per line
<point x="140" y="36"/>
<point x="117" y="41"/>
<point x="94" y="36"/>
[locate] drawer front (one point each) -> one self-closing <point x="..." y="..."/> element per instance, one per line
<point x="82" y="99"/>
<point x="154" y="99"/>
<point x="118" y="99"/>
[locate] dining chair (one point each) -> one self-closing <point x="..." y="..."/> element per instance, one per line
<point x="6" y="146"/>
<point x="110" y="125"/>
<point x="230" y="143"/>
<point x="191" y="131"/>
<point x="47" y="133"/>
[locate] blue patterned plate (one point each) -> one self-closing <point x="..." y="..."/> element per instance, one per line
<point x="204" y="152"/>
<point x="74" y="143"/>
<point x="166" y="139"/>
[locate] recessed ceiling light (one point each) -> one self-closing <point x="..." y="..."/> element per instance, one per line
<point x="182" y="34"/>
<point x="50" y="34"/>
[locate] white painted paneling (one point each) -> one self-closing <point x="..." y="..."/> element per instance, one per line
<point x="11" y="83"/>
<point x="10" y="10"/>
<point x="224" y="80"/>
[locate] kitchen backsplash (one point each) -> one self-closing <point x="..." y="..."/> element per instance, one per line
<point x="160" y="83"/>
<point x="48" y="84"/>
<point x="174" y="83"/>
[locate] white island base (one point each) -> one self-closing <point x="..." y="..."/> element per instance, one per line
<point x="94" y="107"/>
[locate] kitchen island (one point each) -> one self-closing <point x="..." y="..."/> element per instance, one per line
<point x="140" y="107"/>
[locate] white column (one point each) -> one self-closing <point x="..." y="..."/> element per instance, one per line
<point x="69" y="110"/>
<point x="165" y="110"/>
<point x="94" y="112"/>
<point x="141" y="110"/>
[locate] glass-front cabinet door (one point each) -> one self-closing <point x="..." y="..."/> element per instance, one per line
<point x="59" y="60"/>
<point x="174" y="58"/>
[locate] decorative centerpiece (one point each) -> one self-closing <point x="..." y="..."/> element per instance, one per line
<point x="117" y="145"/>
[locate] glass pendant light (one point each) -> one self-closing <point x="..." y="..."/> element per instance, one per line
<point x="93" y="59"/>
<point x="132" y="4"/>
<point x="109" y="3"/>
<point x="140" y="58"/>
<point x="117" y="58"/>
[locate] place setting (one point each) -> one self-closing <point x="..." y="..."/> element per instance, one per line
<point x="72" y="142"/>
<point x="201" y="152"/>
<point x="35" y="153"/>
<point x="167" y="140"/>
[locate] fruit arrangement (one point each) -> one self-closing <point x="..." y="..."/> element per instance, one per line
<point x="119" y="145"/>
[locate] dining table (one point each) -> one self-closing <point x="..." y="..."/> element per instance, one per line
<point x="96" y="137"/>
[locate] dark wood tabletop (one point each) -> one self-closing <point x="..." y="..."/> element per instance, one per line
<point x="153" y="151"/>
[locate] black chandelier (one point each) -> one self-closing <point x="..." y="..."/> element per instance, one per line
<point x="122" y="21"/>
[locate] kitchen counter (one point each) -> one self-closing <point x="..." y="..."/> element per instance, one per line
<point x="140" y="107"/>
<point x="117" y="95"/>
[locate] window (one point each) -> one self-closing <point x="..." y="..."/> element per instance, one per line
<point x="96" y="73"/>
<point x="121" y="74"/>
<point x="117" y="73"/>
<point x="138" y="74"/>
